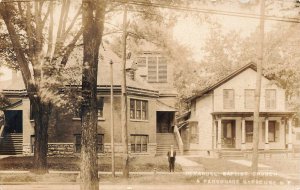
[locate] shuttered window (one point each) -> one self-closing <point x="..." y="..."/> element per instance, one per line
<point x="228" y="99"/>
<point x="157" y="68"/>
<point x="152" y="69"/>
<point x="270" y="99"/>
<point x="162" y="69"/>
<point x="249" y="98"/>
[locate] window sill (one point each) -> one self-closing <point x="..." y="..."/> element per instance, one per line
<point x="139" y="153"/>
<point x="78" y="119"/>
<point x="137" y="120"/>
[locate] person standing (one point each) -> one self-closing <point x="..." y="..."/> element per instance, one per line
<point x="171" y="158"/>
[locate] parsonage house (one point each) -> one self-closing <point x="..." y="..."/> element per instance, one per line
<point x="151" y="109"/>
<point x="220" y="121"/>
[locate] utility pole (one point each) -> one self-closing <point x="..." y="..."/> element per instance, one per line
<point x="124" y="99"/>
<point x="258" y="89"/>
<point x="112" y="119"/>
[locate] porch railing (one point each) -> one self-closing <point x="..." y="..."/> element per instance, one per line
<point x="178" y="139"/>
<point x="1" y="129"/>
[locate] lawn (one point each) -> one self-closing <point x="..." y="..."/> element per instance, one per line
<point x="220" y="165"/>
<point x="139" y="163"/>
<point x="287" y="166"/>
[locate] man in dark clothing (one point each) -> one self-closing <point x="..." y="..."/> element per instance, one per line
<point x="171" y="158"/>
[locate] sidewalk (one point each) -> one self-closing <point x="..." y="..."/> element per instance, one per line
<point x="188" y="165"/>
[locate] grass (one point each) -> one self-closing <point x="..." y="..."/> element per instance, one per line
<point x="139" y="163"/>
<point x="286" y="166"/>
<point x="220" y="165"/>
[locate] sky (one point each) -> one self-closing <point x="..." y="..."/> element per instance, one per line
<point x="192" y="33"/>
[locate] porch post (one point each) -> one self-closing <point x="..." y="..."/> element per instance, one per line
<point x="215" y="134"/>
<point x="290" y="146"/>
<point x="219" y="133"/>
<point x="267" y="146"/>
<point x="243" y="147"/>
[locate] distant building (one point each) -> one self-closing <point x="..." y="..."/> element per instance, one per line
<point x="220" y="120"/>
<point x="151" y="111"/>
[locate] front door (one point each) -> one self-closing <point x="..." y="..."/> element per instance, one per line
<point x="228" y="134"/>
<point x="13" y="121"/>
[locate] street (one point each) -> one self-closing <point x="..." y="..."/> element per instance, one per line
<point x="152" y="187"/>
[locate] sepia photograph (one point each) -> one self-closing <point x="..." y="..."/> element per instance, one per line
<point x="149" y="94"/>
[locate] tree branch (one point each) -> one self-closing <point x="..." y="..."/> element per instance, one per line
<point x="59" y="29"/>
<point x="46" y="16"/>
<point x="5" y="11"/>
<point x="71" y="47"/>
<point x="72" y="23"/>
<point x="65" y="17"/>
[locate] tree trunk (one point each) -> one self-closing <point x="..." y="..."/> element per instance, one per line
<point x="92" y="36"/>
<point x="124" y="101"/>
<point x="42" y="112"/>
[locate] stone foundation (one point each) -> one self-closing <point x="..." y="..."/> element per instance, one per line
<point x="67" y="150"/>
<point x="27" y="150"/>
<point x="60" y="149"/>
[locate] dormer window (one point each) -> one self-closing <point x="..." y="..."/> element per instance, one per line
<point x="156" y="66"/>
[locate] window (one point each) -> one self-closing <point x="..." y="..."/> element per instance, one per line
<point x="249" y="131"/>
<point x="77" y="112"/>
<point x="31" y="112"/>
<point x="249" y="98"/>
<point x="157" y="67"/>
<point x="77" y="143"/>
<point x="142" y="61"/>
<point x="100" y="104"/>
<point x="138" y="109"/>
<point x="228" y="98"/>
<point x="270" y="99"/>
<point x="138" y="143"/>
<point x="272" y="131"/>
<point x="32" y="141"/>
<point x="100" y="145"/>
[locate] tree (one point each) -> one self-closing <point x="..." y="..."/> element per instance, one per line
<point x="27" y="26"/>
<point x="93" y="13"/>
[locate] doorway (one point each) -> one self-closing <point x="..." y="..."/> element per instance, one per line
<point x="165" y="121"/>
<point x="228" y="133"/>
<point x="13" y="121"/>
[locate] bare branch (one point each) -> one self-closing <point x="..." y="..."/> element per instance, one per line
<point x="50" y="31"/>
<point x="21" y="11"/>
<point x="29" y="30"/>
<point x="112" y="32"/>
<point x="65" y="17"/>
<point x="59" y="30"/>
<point x="46" y="15"/>
<point x="71" y="47"/>
<point x="72" y="23"/>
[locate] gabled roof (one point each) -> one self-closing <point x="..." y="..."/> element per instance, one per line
<point x="223" y="80"/>
<point x="106" y="55"/>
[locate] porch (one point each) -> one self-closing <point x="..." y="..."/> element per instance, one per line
<point x="234" y="131"/>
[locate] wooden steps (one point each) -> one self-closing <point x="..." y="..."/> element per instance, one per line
<point x="12" y="144"/>
<point x="164" y="142"/>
